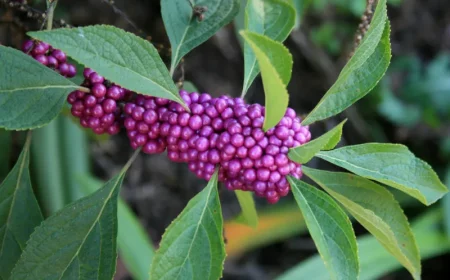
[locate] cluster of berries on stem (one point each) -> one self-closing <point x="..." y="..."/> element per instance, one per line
<point x="222" y="132"/>
<point x="50" y="57"/>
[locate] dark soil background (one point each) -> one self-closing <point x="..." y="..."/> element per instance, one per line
<point x="157" y="190"/>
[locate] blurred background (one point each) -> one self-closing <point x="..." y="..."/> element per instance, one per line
<point x="411" y="105"/>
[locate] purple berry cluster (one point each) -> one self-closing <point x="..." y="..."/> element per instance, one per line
<point x="222" y="132"/>
<point x="52" y="58"/>
<point x="100" y="109"/>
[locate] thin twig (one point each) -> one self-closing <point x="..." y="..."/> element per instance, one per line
<point x="124" y="16"/>
<point x="31" y="12"/>
<point x="363" y="27"/>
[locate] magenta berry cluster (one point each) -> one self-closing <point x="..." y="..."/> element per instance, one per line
<point x="222" y="132"/>
<point x="50" y="57"/>
<point x="100" y="109"/>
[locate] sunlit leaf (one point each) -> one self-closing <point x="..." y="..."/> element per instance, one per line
<point x="390" y="164"/>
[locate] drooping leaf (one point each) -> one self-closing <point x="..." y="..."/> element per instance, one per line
<point x="119" y="56"/>
<point x="376" y="209"/>
<point x="78" y="242"/>
<point x="192" y="246"/>
<point x="275" y="63"/>
<point x="19" y="212"/>
<point x="305" y="152"/>
<point x="248" y="216"/>
<point x="374" y="259"/>
<point x="276" y="223"/>
<point x="135" y="248"/>
<point x="31" y="95"/>
<point x="272" y="18"/>
<point x="390" y="164"/>
<point x="186" y="31"/>
<point x="330" y="229"/>
<point x="363" y="71"/>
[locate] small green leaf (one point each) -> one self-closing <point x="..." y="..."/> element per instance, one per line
<point x="272" y="18"/>
<point x="275" y="62"/>
<point x="390" y="164"/>
<point x="304" y="153"/>
<point x="19" y="212"/>
<point x="446" y="205"/>
<point x="363" y="71"/>
<point x="119" y="56"/>
<point x="31" y="95"/>
<point x="249" y="215"/>
<point x="300" y="8"/>
<point x="78" y="242"/>
<point x="330" y="229"/>
<point x="192" y="246"/>
<point x="374" y="259"/>
<point x="189" y="87"/>
<point x="185" y="31"/>
<point x="376" y="209"/>
<point x="135" y="248"/>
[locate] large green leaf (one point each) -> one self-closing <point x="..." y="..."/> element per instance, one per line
<point x="375" y="260"/>
<point x="330" y="228"/>
<point x="363" y="71"/>
<point x="390" y="164"/>
<point x="135" y="248"/>
<point x="19" y="212"/>
<point x="275" y="62"/>
<point x="193" y="246"/>
<point x="119" y="56"/>
<point x="249" y="215"/>
<point x="31" y="95"/>
<point x="376" y="209"/>
<point x="78" y="242"/>
<point x="185" y="31"/>
<point x="305" y="152"/>
<point x="272" y="18"/>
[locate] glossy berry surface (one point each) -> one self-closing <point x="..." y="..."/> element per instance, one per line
<point x="219" y="132"/>
<point x="50" y="57"/>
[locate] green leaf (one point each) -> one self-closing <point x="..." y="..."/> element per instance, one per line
<point x="376" y="209"/>
<point x="185" y="31"/>
<point x="189" y="87"/>
<point x="31" y="95"/>
<point x="390" y="164"/>
<point x="275" y="62"/>
<point x="119" y="56"/>
<point x="272" y="18"/>
<point x="249" y="215"/>
<point x="135" y="248"/>
<point x="78" y="242"/>
<point x="304" y="153"/>
<point x="300" y="8"/>
<point x="19" y="212"/>
<point x="374" y="259"/>
<point x="193" y="246"/>
<point x="330" y="229"/>
<point x="446" y="205"/>
<point x="363" y="71"/>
